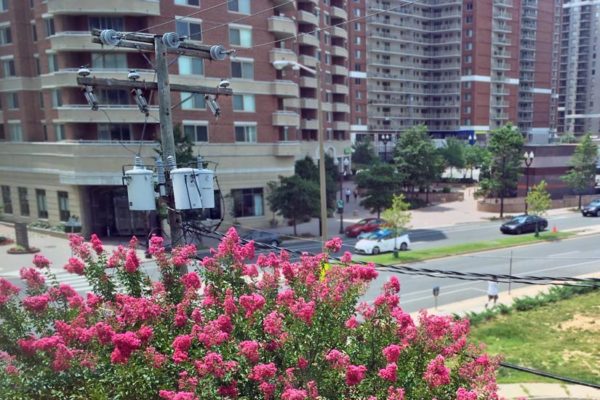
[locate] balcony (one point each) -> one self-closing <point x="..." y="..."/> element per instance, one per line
<point x="501" y="28"/>
<point x="285" y="5"/>
<point x="339" y="89"/>
<point x="307" y="81"/>
<point x="286" y="149"/>
<point x="312" y="124"/>
<point x="106" y="7"/>
<point x="76" y="113"/>
<point x="499" y="116"/>
<point x="308" y="61"/>
<point x="284" y="88"/>
<point x="67" y="77"/>
<point x="341" y="126"/>
<point x="308" y="40"/>
<point x="496" y="103"/>
<point x="285" y="118"/>
<point x="500" y="66"/>
<point x="339" y="51"/>
<point x="340" y="107"/>
<point x="337" y="12"/>
<point x="312" y="104"/>
<point x="282" y="54"/>
<point x="282" y="27"/>
<point x="339" y="70"/>
<point x="307" y="17"/>
<point x="78" y="41"/>
<point x="336" y="31"/>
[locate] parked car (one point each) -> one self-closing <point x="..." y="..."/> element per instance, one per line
<point x="364" y="225"/>
<point x="271" y="238"/>
<point x="591" y="209"/>
<point x="381" y="241"/>
<point x="524" y="223"/>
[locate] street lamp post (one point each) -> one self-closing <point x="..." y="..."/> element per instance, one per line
<point x="472" y="139"/>
<point x="342" y="173"/>
<point x="281" y="64"/>
<point x="528" y="159"/>
<point x="385" y="138"/>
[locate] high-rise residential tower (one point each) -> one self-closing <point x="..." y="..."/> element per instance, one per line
<point x="59" y="158"/>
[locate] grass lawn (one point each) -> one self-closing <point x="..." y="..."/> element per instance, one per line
<point x="464" y="248"/>
<point x="561" y="338"/>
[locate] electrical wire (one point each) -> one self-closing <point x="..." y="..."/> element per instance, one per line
<point x="246" y="17"/>
<point x="110" y="124"/>
<point x="548" y="375"/>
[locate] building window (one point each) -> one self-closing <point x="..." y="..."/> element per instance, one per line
<point x="12" y="100"/>
<point x="242" y="69"/>
<point x="5" y="35"/>
<point x="109" y="61"/>
<point x="190" y="65"/>
<point x="190" y="28"/>
<point x="245" y="133"/>
<point x="357" y="27"/>
<point x="104" y="22"/>
<point x="36" y="61"/>
<point x="247" y="202"/>
<point x="196" y="133"/>
<point x="23" y="202"/>
<point x="14" y="131"/>
<point x="59" y="132"/>
<point x="56" y="98"/>
<point x="49" y="24"/>
<point x="188" y="2"/>
<point x="114" y="132"/>
<point x="239" y="36"/>
<point x="113" y="96"/>
<point x="240" y="6"/>
<point x="244" y="102"/>
<point x="192" y="101"/>
<point x="40" y="198"/>
<point x="6" y="200"/>
<point x="3" y="5"/>
<point x="34" y="32"/>
<point x="357" y="54"/>
<point x="8" y="67"/>
<point x="52" y="63"/>
<point x="63" y="206"/>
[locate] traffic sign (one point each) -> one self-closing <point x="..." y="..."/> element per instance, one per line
<point x="340" y="203"/>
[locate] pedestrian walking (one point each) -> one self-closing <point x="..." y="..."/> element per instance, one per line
<point x="348" y="193"/>
<point x="355" y="193"/>
<point x="492" y="291"/>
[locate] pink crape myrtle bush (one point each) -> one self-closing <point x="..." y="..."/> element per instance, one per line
<point x="239" y="327"/>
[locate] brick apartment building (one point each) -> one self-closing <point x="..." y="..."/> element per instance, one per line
<point x="461" y="67"/>
<point x="58" y="158"/>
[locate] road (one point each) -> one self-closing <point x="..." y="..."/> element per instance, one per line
<point x="570" y="258"/>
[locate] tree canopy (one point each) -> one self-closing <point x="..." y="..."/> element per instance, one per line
<point x="538" y="201"/>
<point x="453" y="153"/>
<point x="379" y="183"/>
<point x="363" y="155"/>
<point x="397" y="216"/>
<point x="295" y="198"/>
<point x="582" y="175"/>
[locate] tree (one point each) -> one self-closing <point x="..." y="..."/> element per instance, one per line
<point x="363" y="155"/>
<point x="184" y="147"/>
<point x="308" y="169"/>
<point x="567" y="138"/>
<point x="453" y="154"/>
<point x="538" y="201"/>
<point x="582" y="174"/>
<point x="476" y="157"/>
<point x="505" y="146"/>
<point x="379" y="183"/>
<point x="294" y="198"/>
<point x="416" y="159"/>
<point x="398" y="217"/>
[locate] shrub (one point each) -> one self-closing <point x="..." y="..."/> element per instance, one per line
<point x="236" y="328"/>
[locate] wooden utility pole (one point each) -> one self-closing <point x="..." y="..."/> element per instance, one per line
<point x="159" y="45"/>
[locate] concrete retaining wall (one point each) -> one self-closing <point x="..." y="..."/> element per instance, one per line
<point x="517" y="204"/>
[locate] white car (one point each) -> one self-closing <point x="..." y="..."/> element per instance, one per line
<point x="381" y="241"/>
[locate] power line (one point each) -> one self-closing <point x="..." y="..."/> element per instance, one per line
<point x="549" y="375"/>
<point x="246" y="17"/>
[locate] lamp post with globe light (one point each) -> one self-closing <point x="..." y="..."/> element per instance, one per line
<point x="279" y="65"/>
<point x="528" y="160"/>
<point x="342" y="170"/>
<point x="385" y="138"/>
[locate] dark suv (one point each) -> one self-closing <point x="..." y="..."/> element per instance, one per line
<point x="591" y="209"/>
<point x="270" y="238"/>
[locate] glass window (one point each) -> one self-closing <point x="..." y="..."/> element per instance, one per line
<point x="245" y="133"/>
<point x="105" y="22"/>
<point x="190" y="65"/>
<point x="196" y="133"/>
<point x="23" y="202"/>
<point x="63" y="206"/>
<point x="56" y="98"/>
<point x="14" y="131"/>
<point x="192" y="101"/>
<point x="240" y="36"/>
<point x="5" y="35"/>
<point x="6" y="200"/>
<point x="193" y="30"/>
<point x="187" y="2"/>
<point x="240" y="6"/>
<point x="109" y="61"/>
<point x="34" y="32"/>
<point x="8" y="68"/>
<point x="112" y="96"/>
<point x="59" y="132"/>
<point x="49" y="24"/>
<point x="40" y="197"/>
<point x="244" y="102"/>
<point x="248" y="202"/>
<point x="242" y="69"/>
<point x="3" y="5"/>
<point x="12" y="100"/>
<point x="52" y="63"/>
<point x="114" y="132"/>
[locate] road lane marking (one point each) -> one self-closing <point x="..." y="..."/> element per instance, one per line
<point x="442" y="293"/>
<point x="563" y="254"/>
